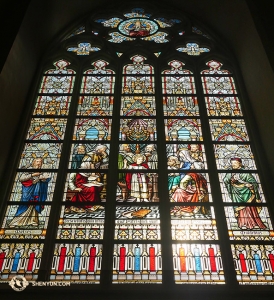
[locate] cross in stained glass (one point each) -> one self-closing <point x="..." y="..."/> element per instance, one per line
<point x="83" y="49"/>
<point x="192" y="49"/>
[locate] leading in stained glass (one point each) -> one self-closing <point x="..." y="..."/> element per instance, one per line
<point x="81" y="224"/>
<point x="254" y="264"/>
<point x="96" y="154"/>
<point x="137" y="263"/>
<point x="73" y="262"/>
<point x="247" y="222"/>
<point x="183" y="130"/>
<point x="137" y="223"/>
<point x="197" y="263"/>
<point x="138" y="130"/>
<point x="193" y="223"/>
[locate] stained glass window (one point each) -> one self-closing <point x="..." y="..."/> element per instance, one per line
<point x="138" y="166"/>
<point x="27" y="215"/>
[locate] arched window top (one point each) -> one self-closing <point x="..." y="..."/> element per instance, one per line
<point x="120" y="165"/>
<point x="100" y="68"/>
<point x="214" y="68"/>
<point x="138" y="66"/>
<point x="61" y="68"/>
<point x="176" y="68"/>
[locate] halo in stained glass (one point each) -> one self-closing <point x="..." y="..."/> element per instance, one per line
<point x="138" y="27"/>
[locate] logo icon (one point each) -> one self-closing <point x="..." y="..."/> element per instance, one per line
<point x="18" y="283"/>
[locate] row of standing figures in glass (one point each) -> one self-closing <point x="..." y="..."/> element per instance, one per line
<point x="86" y="188"/>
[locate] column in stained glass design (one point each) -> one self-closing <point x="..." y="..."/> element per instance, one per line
<point x="83" y="209"/>
<point x="137" y="219"/>
<point x="137" y="263"/>
<point x="244" y="203"/>
<point x="254" y="264"/>
<point x="77" y="262"/>
<point x="193" y="216"/>
<point x="20" y="259"/>
<point x="29" y="205"/>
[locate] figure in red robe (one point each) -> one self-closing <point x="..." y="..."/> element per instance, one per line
<point x="87" y="189"/>
<point x="193" y="188"/>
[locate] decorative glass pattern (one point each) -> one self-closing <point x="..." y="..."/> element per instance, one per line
<point x="219" y="85"/>
<point x="138" y="66"/>
<point x="97" y="85"/>
<point x="89" y="156"/>
<point x="99" y="68"/>
<point x="176" y="67"/>
<point x="215" y="69"/>
<point x="138" y="130"/>
<point x="92" y="129"/>
<point x="46" y="129"/>
<point x="118" y="38"/>
<point x="178" y="84"/>
<point x="195" y="263"/>
<point x="25" y="221"/>
<point x="241" y="187"/>
<point x="192" y="49"/>
<point x="226" y="153"/>
<point x="136" y="164"/>
<point x="138" y="106"/>
<point x="137" y="263"/>
<point x="20" y="259"/>
<point x="249" y="223"/>
<point x="180" y="106"/>
<point x="59" y="80"/>
<point x="254" y="264"/>
<point x="40" y="156"/>
<point x="230" y="130"/>
<point x="112" y="22"/>
<point x="223" y="106"/>
<point x="137" y="223"/>
<point x="84" y="188"/>
<point x="52" y="105"/>
<point x="159" y="37"/>
<point x="95" y="106"/>
<point x="138" y="85"/>
<point x="77" y="262"/>
<point x="183" y="130"/>
<point x="138" y="25"/>
<point x="81" y="224"/>
<point x="83" y="49"/>
<point x="193" y="223"/>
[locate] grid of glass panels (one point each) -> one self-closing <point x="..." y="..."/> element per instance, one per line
<point x="83" y="209"/>
<point x="135" y="206"/>
<point x="29" y="206"/>
<point x="137" y="216"/>
<point x="246" y="212"/>
<point x="191" y="210"/>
